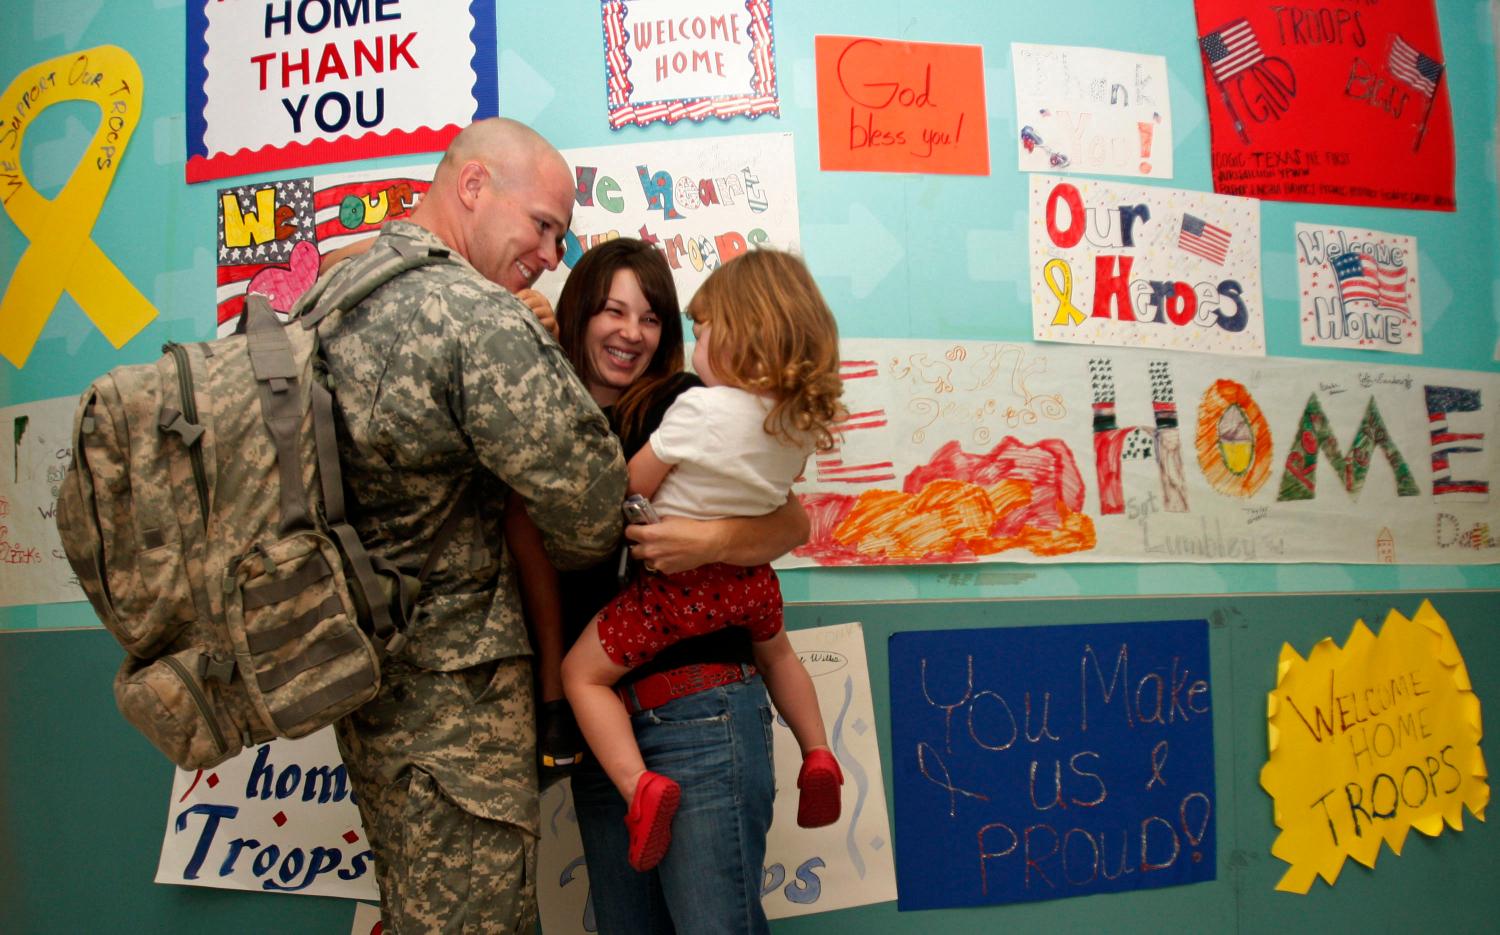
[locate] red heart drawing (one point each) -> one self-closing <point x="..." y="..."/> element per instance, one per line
<point x="283" y="285"/>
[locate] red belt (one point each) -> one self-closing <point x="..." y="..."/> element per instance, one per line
<point x="657" y="689"/>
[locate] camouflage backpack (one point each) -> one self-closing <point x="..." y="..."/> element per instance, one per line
<point x="204" y="517"/>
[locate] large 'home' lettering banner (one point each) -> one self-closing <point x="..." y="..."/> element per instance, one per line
<point x="282" y="83"/>
<point x="963" y="451"/>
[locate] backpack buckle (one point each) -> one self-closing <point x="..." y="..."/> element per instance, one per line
<point x="171" y="420"/>
<point x="216" y="668"/>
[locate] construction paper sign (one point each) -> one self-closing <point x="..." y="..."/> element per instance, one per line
<point x="1043" y="762"/>
<point x="891" y="106"/>
<point x="267" y="245"/>
<point x="1340" y="103"/>
<point x="277" y="818"/>
<point x="807" y="870"/>
<point x="36" y="447"/>
<point x="60" y="256"/>
<point x="700" y="202"/>
<point x="1369" y="741"/>
<point x="282" y="83"/>
<point x="1148" y="267"/>
<point x="1359" y="288"/>
<point x="668" y="60"/>
<point x="1091" y="110"/>
<point x="272" y="235"/>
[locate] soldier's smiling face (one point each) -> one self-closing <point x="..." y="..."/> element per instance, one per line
<point x="520" y="218"/>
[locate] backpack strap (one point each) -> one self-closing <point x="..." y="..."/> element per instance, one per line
<point x="397" y="255"/>
<point x="275" y="370"/>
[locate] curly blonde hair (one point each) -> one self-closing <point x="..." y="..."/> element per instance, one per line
<point x="774" y="334"/>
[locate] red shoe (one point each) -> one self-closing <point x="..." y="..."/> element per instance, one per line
<point x="649" y="820"/>
<point x="819" y="781"/>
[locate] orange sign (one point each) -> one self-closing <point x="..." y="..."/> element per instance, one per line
<point x="888" y="106"/>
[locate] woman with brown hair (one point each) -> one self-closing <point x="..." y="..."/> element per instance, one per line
<point x="698" y="710"/>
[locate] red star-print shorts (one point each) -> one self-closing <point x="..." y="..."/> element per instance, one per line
<point x="654" y="611"/>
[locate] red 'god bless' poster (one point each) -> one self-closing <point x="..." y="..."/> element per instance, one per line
<point x="1344" y="102"/>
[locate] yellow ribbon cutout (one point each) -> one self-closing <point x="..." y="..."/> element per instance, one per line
<point x="1067" y="312"/>
<point x="61" y="254"/>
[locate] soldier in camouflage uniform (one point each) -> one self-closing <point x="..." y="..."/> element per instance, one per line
<point x="450" y="391"/>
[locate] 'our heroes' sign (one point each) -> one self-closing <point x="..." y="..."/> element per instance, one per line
<point x="274" y="84"/>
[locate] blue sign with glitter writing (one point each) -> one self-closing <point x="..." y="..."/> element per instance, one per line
<point x="1042" y="762"/>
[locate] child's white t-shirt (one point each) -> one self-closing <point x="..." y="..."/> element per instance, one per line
<point x="724" y="462"/>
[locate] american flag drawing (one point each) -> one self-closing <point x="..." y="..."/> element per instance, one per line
<point x="1203" y="239"/>
<point x="1414" y="68"/>
<point x="1442" y="400"/>
<point x="1231" y="49"/>
<point x="1361" y="278"/>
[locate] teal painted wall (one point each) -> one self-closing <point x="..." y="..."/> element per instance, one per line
<point x="961" y="273"/>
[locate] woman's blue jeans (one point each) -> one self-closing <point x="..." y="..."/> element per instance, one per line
<point x="717" y="745"/>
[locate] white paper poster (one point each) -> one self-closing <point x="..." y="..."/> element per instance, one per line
<point x="278" y="818"/>
<point x="36" y="447"/>
<point x="807" y="870"/>
<point x="669" y="60"/>
<point x="1092" y="110"/>
<point x="1359" y="288"/>
<point x="981" y="451"/>
<point x="701" y="202"/>
<point x="277" y="85"/>
<point x="366" y="920"/>
<point x="1134" y="266"/>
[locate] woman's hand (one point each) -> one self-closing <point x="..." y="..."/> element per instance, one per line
<point x="676" y="544"/>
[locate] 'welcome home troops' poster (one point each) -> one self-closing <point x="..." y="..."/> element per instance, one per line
<point x="1343" y="104"/>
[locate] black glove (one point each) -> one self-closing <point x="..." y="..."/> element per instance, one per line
<point x="558" y="742"/>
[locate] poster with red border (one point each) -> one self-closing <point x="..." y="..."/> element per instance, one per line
<point x="1345" y="103"/>
<point x="669" y="60"/>
<point x="279" y="84"/>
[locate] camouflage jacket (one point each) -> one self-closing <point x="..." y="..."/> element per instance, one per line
<point x="449" y="388"/>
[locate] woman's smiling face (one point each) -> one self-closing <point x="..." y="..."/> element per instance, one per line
<point x="620" y="339"/>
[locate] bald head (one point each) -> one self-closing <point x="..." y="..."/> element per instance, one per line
<point x="502" y="198"/>
<point x="502" y="145"/>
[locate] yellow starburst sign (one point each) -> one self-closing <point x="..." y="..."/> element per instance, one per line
<point x="1368" y="742"/>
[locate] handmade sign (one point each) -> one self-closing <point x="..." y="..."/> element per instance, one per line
<point x="970" y="451"/>
<point x="806" y="870"/>
<point x="1345" y="104"/>
<point x="278" y="818"/>
<point x="890" y="106"/>
<point x="1359" y="288"/>
<point x="60" y="256"/>
<point x="1091" y="110"/>
<point x="1145" y="267"/>
<point x="276" y="84"/>
<point x="1369" y="741"/>
<point x="272" y="234"/>
<point x="1041" y="762"/>
<point x="666" y="60"/>
<point x="701" y="202"/>
<point x="36" y="447"/>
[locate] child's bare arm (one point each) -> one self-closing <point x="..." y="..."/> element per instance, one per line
<point x="647" y="471"/>
<point x="791" y="690"/>
<point x="677" y="544"/>
<point x="541" y="598"/>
